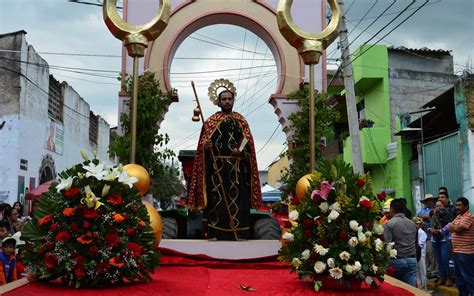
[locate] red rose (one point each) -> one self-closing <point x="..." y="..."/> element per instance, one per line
<point x="41" y="250"/>
<point x="86" y="224"/>
<point x="366" y="204"/>
<point x="382" y="195"/>
<point x="94" y="250"/>
<point x="103" y="267"/>
<point x="79" y="271"/>
<point x="135" y="208"/>
<point x="307" y="233"/>
<point x="115" y="199"/>
<point x="74" y="227"/>
<point x="95" y="234"/>
<point x="62" y="236"/>
<point x="49" y="246"/>
<point x="112" y="239"/>
<point x="360" y="182"/>
<point x="382" y="238"/>
<point x="343" y="235"/>
<point x="313" y="255"/>
<point x="287" y="224"/>
<point x="72" y="192"/>
<point x="135" y="249"/>
<point x="51" y="261"/>
<point x="295" y="200"/>
<point x="79" y="260"/>
<point x="317" y="199"/>
<point x="308" y="224"/>
<point x="54" y="227"/>
<point x="367" y="224"/>
<point x="90" y="213"/>
<point x="130" y="231"/>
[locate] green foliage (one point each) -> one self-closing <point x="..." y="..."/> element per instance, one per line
<point x="151" y="152"/>
<point x="325" y="116"/>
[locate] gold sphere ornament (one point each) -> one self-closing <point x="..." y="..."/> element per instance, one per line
<point x="155" y="221"/>
<point x="302" y="186"/>
<point x="139" y="172"/>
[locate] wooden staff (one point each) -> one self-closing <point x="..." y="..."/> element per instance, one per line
<point x="224" y="196"/>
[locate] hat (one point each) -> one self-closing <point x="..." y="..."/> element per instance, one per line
<point x="427" y="197"/>
<point x="10" y="240"/>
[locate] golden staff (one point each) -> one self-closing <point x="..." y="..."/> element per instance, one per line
<point x="135" y="39"/>
<point x="310" y="47"/>
<point x="197" y="114"/>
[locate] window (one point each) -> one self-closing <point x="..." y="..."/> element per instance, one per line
<point x="55" y="99"/>
<point x="93" y="127"/>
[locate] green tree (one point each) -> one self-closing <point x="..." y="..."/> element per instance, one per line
<point x="325" y="116"/>
<point x="151" y="151"/>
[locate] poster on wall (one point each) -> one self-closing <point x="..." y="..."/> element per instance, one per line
<point x="54" y="136"/>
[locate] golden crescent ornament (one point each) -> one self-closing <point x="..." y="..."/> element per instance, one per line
<point x="310" y="46"/>
<point x="136" y="37"/>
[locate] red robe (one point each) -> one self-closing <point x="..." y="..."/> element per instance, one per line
<point x="197" y="191"/>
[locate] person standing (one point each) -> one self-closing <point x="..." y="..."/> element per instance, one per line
<point x="421" y="264"/>
<point x="403" y="233"/>
<point x="462" y="229"/>
<point x="225" y="182"/>
<point x="428" y="204"/>
<point x="439" y="238"/>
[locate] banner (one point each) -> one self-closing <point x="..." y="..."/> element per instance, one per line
<point x="54" y="136"/>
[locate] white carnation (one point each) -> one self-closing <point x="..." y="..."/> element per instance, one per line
<point x="331" y="262"/>
<point x="378" y="228"/>
<point x="345" y="255"/>
<point x="319" y="266"/>
<point x="333" y="216"/>
<point x="361" y="237"/>
<point x="393" y="253"/>
<point x="321" y="250"/>
<point x="378" y="245"/>
<point x="324" y="207"/>
<point x="368" y="234"/>
<point x="353" y="225"/>
<point x="288" y="236"/>
<point x="390" y="246"/>
<point x="336" y="207"/>
<point x="293" y="215"/>
<point x="357" y="266"/>
<point x="368" y="280"/>
<point x="296" y="262"/>
<point x="336" y="273"/>
<point x="374" y="268"/>
<point x="353" y="241"/>
<point x="305" y="254"/>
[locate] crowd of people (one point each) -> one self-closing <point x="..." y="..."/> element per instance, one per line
<point x="12" y="220"/>
<point x="437" y="243"/>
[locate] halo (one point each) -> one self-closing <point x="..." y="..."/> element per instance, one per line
<point x="220" y="83"/>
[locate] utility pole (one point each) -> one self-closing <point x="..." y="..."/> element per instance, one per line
<point x="352" y="118"/>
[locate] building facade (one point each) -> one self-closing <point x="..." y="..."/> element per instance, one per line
<point x="391" y="85"/>
<point x="44" y="123"/>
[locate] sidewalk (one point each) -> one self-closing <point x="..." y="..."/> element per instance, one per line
<point x="442" y="290"/>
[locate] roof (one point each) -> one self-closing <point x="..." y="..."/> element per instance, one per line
<point x="13" y="33"/>
<point x="420" y="50"/>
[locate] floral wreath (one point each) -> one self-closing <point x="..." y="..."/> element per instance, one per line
<point x="220" y="83"/>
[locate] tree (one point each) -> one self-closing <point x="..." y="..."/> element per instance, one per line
<point x="298" y="152"/>
<point x="151" y="152"/>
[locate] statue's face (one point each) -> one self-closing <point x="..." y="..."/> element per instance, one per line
<point x="226" y="101"/>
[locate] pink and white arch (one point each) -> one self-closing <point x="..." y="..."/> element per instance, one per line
<point x="256" y="16"/>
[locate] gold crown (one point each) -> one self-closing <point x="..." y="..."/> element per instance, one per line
<point x="220" y="83"/>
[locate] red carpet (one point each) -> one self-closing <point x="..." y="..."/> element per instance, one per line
<point x="201" y="275"/>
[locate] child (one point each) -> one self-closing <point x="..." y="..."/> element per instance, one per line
<point x="20" y="268"/>
<point x="8" y="261"/>
<point x="4" y="230"/>
<point x="421" y="266"/>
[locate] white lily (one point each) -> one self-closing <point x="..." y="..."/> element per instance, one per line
<point x="65" y="184"/>
<point x="96" y="171"/>
<point x="124" y="178"/>
<point x="112" y="175"/>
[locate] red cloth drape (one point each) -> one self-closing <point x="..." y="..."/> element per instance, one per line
<point x="202" y="275"/>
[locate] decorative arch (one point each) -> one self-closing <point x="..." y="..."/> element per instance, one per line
<point x="254" y="16"/>
<point x="47" y="171"/>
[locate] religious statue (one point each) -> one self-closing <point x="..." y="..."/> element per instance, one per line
<point x="225" y="182"/>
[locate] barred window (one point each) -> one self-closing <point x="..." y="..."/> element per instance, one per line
<point x="55" y="99"/>
<point x="93" y="127"/>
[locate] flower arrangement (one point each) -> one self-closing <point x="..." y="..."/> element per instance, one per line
<point x="91" y="229"/>
<point x="335" y="233"/>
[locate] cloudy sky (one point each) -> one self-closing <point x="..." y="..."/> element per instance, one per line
<point x="73" y="35"/>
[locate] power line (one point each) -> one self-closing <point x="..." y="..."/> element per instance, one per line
<point x="215" y="71"/>
<point x="63" y="53"/>
<point x="268" y="141"/>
